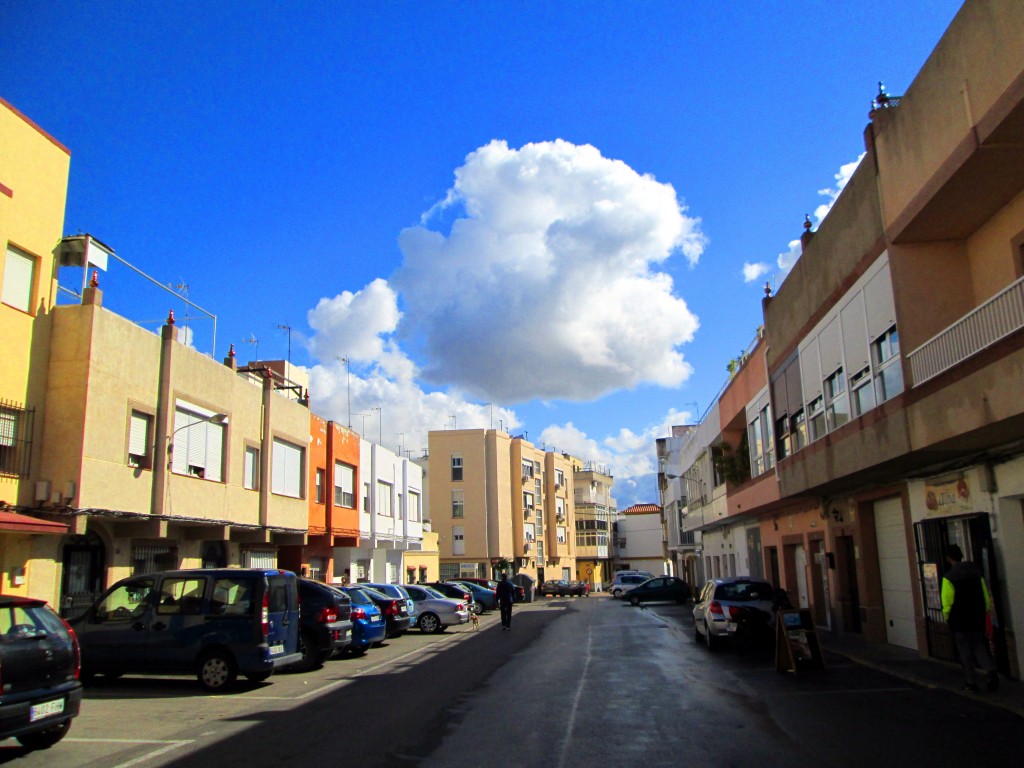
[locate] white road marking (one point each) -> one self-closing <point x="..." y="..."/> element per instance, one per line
<point x="168" y="746"/>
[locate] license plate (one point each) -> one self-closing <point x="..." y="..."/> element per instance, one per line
<point x="375" y="618"/>
<point x="276" y="650"/>
<point x="46" y="709"/>
<point x="730" y="626"/>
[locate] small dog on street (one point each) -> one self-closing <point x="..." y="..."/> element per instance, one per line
<point x="474" y="620"/>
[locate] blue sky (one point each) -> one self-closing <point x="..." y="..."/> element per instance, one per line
<point x="553" y="217"/>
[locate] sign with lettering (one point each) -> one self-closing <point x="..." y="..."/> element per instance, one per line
<point x="948" y="498"/>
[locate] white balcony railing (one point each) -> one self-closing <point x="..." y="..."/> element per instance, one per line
<point x="996" y="319"/>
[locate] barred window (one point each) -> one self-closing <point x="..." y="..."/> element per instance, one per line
<point x="15" y="439"/>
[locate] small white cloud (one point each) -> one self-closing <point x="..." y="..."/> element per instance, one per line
<point x="752" y="272"/>
<point x="788" y="259"/>
<point x="832" y="193"/>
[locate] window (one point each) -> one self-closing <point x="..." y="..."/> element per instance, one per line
<point x="862" y="395"/>
<point x="148" y="558"/>
<point x="19" y="277"/>
<point x="528" y="532"/>
<point x="140" y="440"/>
<point x="344" y="485"/>
<point x="251" y="468"/>
<point x="414" y="506"/>
<point x="10" y="421"/>
<point x="837" y="411"/>
<point x="798" y="428"/>
<point x="889" y="373"/>
<point x="527" y="469"/>
<point x="384" y="507"/>
<point x="783" y="437"/>
<point x="756" y="447"/>
<point x="559" y="509"/>
<point x="456" y="469"/>
<point x="817" y="413"/>
<point x="458" y="503"/>
<point x="181" y="596"/>
<point x="197" y="444"/>
<point x="559" y="478"/>
<point x="540" y="549"/>
<point x="527" y="503"/>
<point x="458" y="540"/>
<point x="321" y="480"/>
<point x="286" y="471"/>
<point x="561" y="534"/>
<point x="366" y="498"/>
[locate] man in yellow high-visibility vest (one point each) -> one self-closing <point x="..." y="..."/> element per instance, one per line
<point x="965" y="604"/>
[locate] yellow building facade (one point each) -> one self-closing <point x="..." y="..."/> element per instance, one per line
<point x="33" y="188"/>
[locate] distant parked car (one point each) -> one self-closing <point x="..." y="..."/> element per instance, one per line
<point x="661" y="588"/>
<point x="213" y="622"/>
<point x="454" y="591"/>
<point x="719" y="599"/>
<point x="325" y="626"/>
<point x="484" y="598"/>
<point x="527" y="584"/>
<point x="624" y="582"/>
<point x="368" y="626"/>
<point x="395" y="610"/>
<point x="398" y="592"/>
<point x="435" y="611"/>
<point x="561" y="588"/>
<point x="39" y="670"/>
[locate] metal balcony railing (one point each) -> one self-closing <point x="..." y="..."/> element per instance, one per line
<point x="996" y="319"/>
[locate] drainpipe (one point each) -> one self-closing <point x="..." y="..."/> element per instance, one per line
<point x="266" y="448"/>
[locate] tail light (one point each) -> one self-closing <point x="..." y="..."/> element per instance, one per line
<point x="735" y="612"/>
<point x="391" y="609"/>
<point x="357" y="613"/>
<point x="327" y="616"/>
<point x="460" y="607"/>
<point x="715" y="607"/>
<point x="77" y="649"/>
<point x="265" y="615"/>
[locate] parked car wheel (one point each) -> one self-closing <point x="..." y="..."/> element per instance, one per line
<point x="477" y="608"/>
<point x="697" y="638"/>
<point x="429" y="622"/>
<point x="258" y="677"/>
<point x="634" y="601"/>
<point x="45" y="739"/>
<point x="311" y="656"/>
<point x="709" y="639"/>
<point x="217" y="671"/>
<point x="616" y="593"/>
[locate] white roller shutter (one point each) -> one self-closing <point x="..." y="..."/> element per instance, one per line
<point x="881" y="310"/>
<point x="810" y="371"/>
<point x="286" y="474"/>
<point x="855" y="335"/>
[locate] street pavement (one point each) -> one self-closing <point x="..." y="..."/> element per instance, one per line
<point x="577" y="681"/>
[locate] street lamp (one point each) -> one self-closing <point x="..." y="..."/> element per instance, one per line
<point x="348" y="385"/>
<point x="380" y="423"/>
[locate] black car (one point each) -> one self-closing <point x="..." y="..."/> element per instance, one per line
<point x="660" y="588"/>
<point x="40" y="666"/>
<point x="561" y="588"/>
<point x="395" y="611"/>
<point x="324" y="621"/>
<point x="454" y="591"/>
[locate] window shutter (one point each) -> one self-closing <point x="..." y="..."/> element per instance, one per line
<point x="249" y="481"/>
<point x="18" y="269"/>
<point x="810" y="371"/>
<point x="138" y="435"/>
<point x="830" y="348"/>
<point x="179" y="440"/>
<point x="881" y="312"/>
<point x="855" y="335"/>
<point x="287" y="469"/>
<point x="214" y="444"/>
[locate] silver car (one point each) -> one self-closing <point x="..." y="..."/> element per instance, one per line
<point x="626" y="581"/>
<point x="719" y="601"/>
<point x="400" y="593"/>
<point x="434" y="611"/>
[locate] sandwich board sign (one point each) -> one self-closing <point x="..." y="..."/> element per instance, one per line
<point x="797" y="647"/>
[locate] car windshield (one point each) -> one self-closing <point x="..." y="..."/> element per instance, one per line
<point x="431" y="592"/>
<point x="28" y="620"/>
<point x="744" y="591"/>
<point x="359" y="597"/>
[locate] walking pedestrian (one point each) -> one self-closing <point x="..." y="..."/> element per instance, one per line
<point x="506" y="593"/>
<point x="966" y="603"/>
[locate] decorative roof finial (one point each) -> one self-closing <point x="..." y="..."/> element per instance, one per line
<point x="767" y="289"/>
<point x="170" y="317"/>
<point x="807" y="222"/>
<point x="231" y="351"/>
<point x="95" y="281"/>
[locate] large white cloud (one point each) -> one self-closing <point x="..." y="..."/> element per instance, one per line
<point x="545" y="286"/>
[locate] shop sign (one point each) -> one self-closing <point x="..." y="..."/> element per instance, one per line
<point x="948" y="498"/>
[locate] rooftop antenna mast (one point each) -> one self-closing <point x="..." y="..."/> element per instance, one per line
<point x="287" y="329"/>
<point x="255" y="342"/>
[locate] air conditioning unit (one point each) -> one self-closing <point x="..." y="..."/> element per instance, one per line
<point x="42" y="490"/>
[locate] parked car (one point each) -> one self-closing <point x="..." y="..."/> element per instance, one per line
<point x="39" y="673"/>
<point x="454" y="591"/>
<point x="661" y="588"/>
<point x="581" y="588"/>
<point x="215" y="623"/>
<point x="484" y="599"/>
<point x="624" y="582"/>
<point x="398" y="592"/>
<point x="435" y="611"/>
<point x="324" y="624"/>
<point x="561" y="588"/>
<point x="368" y="625"/>
<point x="714" y="621"/>
<point x="527" y="584"/>
<point x="393" y="609"/>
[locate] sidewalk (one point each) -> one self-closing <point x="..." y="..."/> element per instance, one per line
<point x="908" y="665"/>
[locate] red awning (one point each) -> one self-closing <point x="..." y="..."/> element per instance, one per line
<point x="12" y="521"/>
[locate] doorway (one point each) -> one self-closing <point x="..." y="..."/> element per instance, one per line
<point x="848" y="595"/>
<point x="84" y="562"/>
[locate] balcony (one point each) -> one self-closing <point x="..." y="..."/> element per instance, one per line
<point x="994" y="320"/>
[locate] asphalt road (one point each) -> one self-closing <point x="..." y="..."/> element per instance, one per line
<point x="578" y="681"/>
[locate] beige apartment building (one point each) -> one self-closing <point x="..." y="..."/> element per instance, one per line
<point x="596" y="511"/>
<point x="33" y="188"/>
<point x="157" y="456"/>
<point x="499" y="504"/>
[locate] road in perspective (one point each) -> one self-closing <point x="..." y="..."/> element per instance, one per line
<point x="578" y="681"/>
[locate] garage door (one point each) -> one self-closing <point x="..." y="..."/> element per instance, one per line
<point x="894" y="568"/>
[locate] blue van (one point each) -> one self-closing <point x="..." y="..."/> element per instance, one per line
<point x="214" y="623"/>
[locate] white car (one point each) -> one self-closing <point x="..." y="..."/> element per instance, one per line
<point x="434" y="611"/>
<point x="626" y="581"/>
